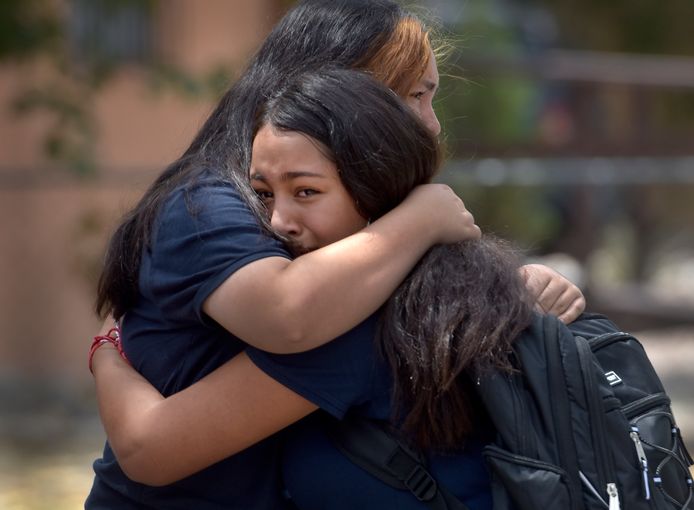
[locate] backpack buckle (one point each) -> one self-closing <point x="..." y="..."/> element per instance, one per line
<point x="421" y="484"/>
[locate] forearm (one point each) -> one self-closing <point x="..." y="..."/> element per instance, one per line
<point x="126" y="402"/>
<point x="283" y="307"/>
<point x="298" y="305"/>
<point x="337" y="287"/>
<point x="159" y="440"/>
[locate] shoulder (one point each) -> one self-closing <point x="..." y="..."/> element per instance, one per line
<point x="206" y="206"/>
<point x="203" y="234"/>
<point x="334" y="376"/>
<point x="203" y="197"/>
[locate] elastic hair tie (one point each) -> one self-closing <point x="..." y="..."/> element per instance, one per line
<point x="112" y="337"/>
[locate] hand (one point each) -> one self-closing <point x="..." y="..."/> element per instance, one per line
<point x="450" y="221"/>
<point x="553" y="294"/>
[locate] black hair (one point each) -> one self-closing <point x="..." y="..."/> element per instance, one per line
<point x="381" y="149"/>
<point x="455" y="316"/>
<point x="340" y="32"/>
<point x="463" y="305"/>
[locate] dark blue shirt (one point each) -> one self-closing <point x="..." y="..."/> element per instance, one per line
<point x="203" y="235"/>
<point x="349" y="374"/>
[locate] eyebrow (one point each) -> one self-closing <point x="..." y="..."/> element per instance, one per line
<point x="288" y="176"/>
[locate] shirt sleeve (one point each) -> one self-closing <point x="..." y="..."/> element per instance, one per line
<point x="335" y="376"/>
<point x="203" y="235"/>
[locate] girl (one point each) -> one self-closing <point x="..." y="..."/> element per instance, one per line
<point x="194" y="273"/>
<point x="186" y="264"/>
<point x="333" y="150"/>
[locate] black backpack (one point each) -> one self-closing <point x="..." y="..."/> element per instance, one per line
<point x="584" y="424"/>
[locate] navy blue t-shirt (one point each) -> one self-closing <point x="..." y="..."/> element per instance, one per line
<point x="202" y="236"/>
<point x="348" y="374"/>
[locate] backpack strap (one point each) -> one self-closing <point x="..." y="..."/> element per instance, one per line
<point x="377" y="451"/>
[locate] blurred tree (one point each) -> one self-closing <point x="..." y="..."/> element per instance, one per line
<point x="505" y="113"/>
<point x="631" y="26"/>
<point x="81" y="44"/>
<point x="26" y="27"/>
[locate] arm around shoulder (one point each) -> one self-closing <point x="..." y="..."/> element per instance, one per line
<point x="287" y="306"/>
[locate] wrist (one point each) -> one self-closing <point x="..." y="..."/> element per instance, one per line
<point x="419" y="226"/>
<point x="112" y="339"/>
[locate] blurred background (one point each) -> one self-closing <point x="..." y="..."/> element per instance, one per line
<point x="569" y="128"/>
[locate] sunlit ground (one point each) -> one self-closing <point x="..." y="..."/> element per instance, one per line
<point x="58" y="481"/>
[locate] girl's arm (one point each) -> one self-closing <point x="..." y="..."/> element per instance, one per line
<point x="285" y="306"/>
<point x="158" y="440"/>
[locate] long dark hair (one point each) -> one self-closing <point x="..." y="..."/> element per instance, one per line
<point x="462" y="306"/>
<point x="457" y="314"/>
<point x="341" y="32"/>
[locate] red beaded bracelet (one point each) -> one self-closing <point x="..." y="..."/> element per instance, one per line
<point x="112" y="337"/>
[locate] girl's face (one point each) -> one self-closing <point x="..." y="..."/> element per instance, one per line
<point x="421" y="97"/>
<point x="301" y="187"/>
<point x="302" y="190"/>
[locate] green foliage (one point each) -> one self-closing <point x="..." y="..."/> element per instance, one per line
<point x="26" y="28"/>
<point x="521" y="214"/>
<point x="638" y="26"/>
<point x="34" y="29"/>
<point x="492" y="112"/>
<point x="498" y="114"/>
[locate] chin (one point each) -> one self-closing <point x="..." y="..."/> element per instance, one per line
<point x="298" y="251"/>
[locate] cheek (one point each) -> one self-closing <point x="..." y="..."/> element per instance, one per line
<point x="341" y="220"/>
<point x="414" y="105"/>
<point x="352" y="221"/>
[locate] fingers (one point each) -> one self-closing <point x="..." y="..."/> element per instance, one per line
<point x="549" y="296"/>
<point x="574" y="309"/>
<point x="455" y="220"/>
<point x="569" y="304"/>
<point x="553" y="293"/>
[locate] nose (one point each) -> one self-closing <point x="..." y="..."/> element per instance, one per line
<point x="283" y="220"/>
<point x="431" y="121"/>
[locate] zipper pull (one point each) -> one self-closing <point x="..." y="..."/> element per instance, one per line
<point x="613" y="496"/>
<point x="634" y="434"/>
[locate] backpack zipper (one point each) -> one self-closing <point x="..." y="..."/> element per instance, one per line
<point x="593" y="399"/>
<point x="643" y="460"/>
<point x="634" y="409"/>
<point x="613" y="495"/>
<point x="601" y="341"/>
